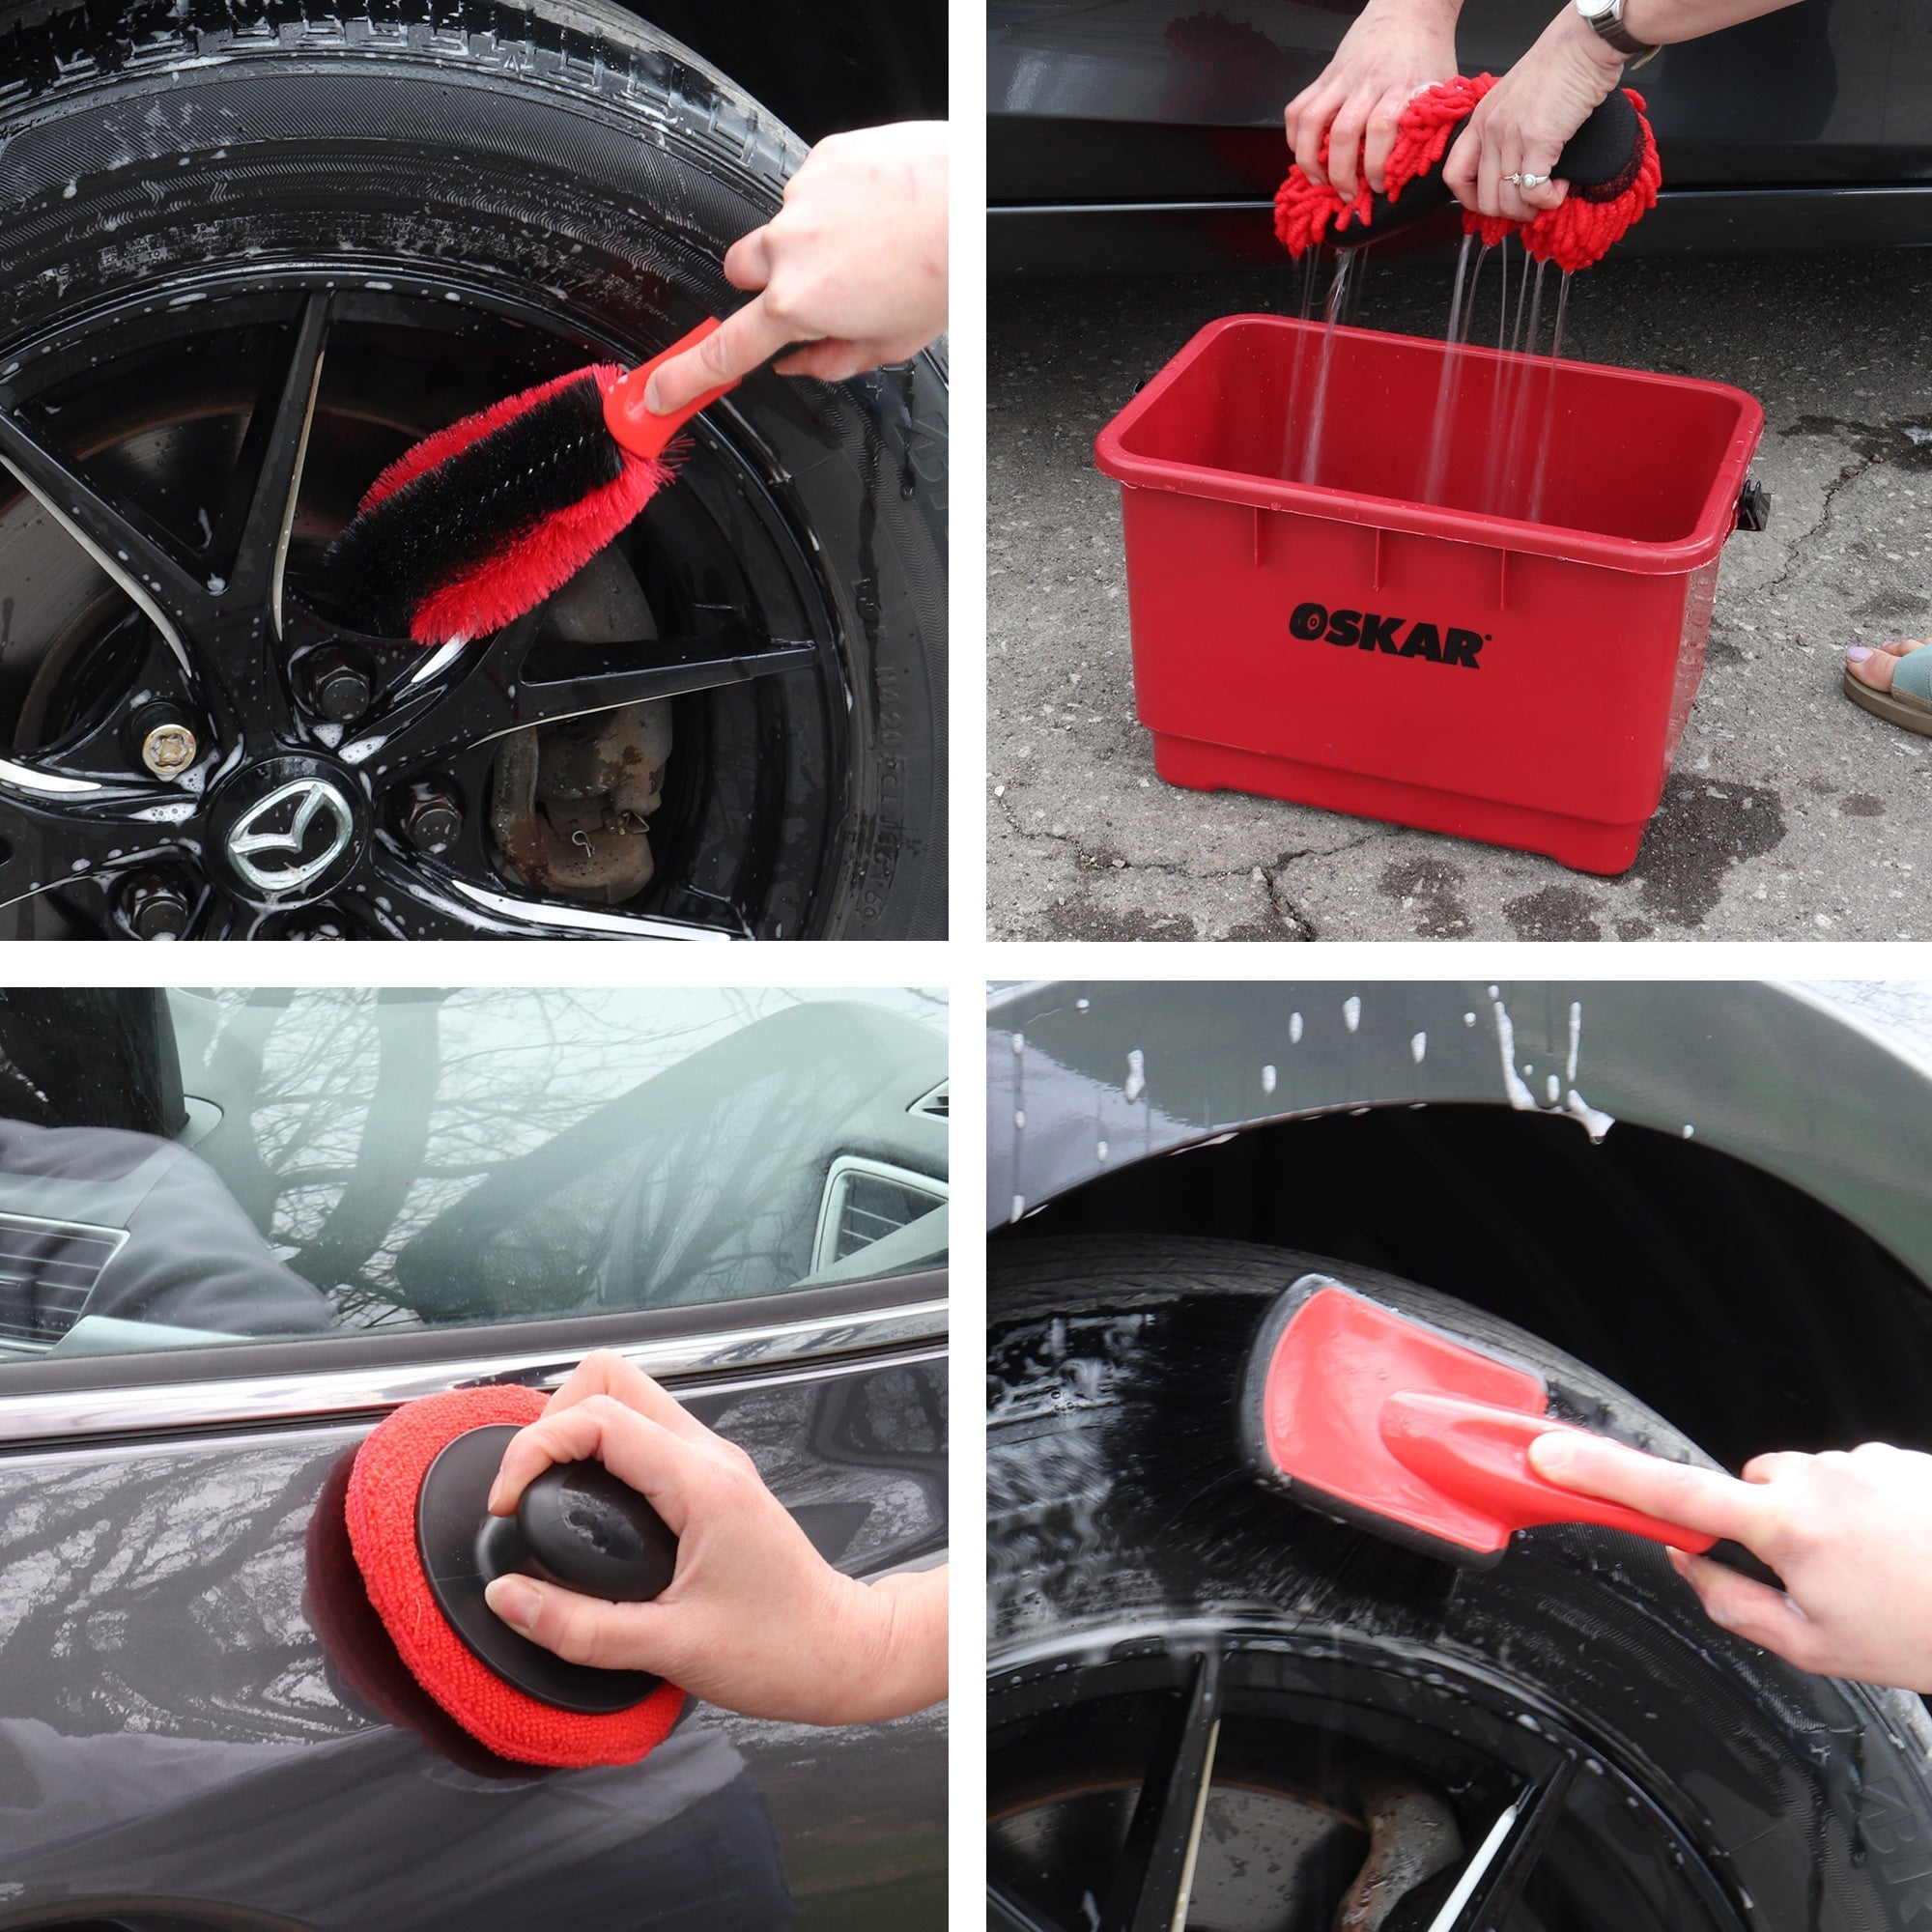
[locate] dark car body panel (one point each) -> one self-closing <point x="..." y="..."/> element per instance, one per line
<point x="1126" y="136"/>
<point x="1784" y="1079"/>
<point x="177" y="1740"/>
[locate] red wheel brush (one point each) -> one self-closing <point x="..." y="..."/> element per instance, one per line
<point x="1379" y="1420"/>
<point x="1610" y="164"/>
<point x="479" y="522"/>
<point x="426" y="1547"/>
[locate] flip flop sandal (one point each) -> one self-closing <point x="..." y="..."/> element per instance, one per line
<point x="1908" y="701"/>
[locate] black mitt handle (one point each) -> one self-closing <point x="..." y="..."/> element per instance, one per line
<point x="1600" y="160"/>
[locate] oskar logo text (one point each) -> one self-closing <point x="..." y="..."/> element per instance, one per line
<point x="1370" y="631"/>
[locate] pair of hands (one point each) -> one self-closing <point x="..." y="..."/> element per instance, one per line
<point x="755" y="1620"/>
<point x="853" y="266"/>
<point x="1398" y="47"/>
<point x="1849" y="1532"/>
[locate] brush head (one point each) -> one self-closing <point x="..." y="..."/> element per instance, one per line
<point x="481" y="521"/>
<point x="1385" y="1422"/>
<point x="385" y="1515"/>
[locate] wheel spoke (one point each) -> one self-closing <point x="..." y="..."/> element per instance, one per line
<point x="1157" y="1869"/>
<point x="174" y="600"/>
<point x="500" y="684"/>
<point x="600" y="677"/>
<point x="254" y="530"/>
<point x="442" y="901"/>
<point x="1494" y="1879"/>
<point x="56" y="838"/>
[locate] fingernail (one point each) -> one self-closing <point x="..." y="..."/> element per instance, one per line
<point x="495" y="1490"/>
<point x="513" y="1600"/>
<point x="654" y="398"/>
<point x="1552" y="1454"/>
<point x="1858" y="653"/>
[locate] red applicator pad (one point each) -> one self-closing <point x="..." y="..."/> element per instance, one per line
<point x="380" y="1508"/>
<point x="1596" y="213"/>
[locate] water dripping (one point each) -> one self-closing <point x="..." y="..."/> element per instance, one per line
<point x="1430" y="489"/>
<point x="1338" y="292"/>
<point x="1542" y="469"/>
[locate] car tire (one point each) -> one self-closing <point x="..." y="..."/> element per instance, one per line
<point x="565" y="159"/>
<point x="1124" y="1529"/>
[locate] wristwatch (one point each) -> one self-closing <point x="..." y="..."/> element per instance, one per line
<point x="1607" y="20"/>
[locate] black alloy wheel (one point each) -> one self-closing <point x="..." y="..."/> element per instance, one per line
<point x="300" y="813"/>
<point x="1232" y="1780"/>
<point x="727" y="727"/>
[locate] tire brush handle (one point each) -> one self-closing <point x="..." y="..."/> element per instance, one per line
<point x="635" y="425"/>
<point x="1479" y="1453"/>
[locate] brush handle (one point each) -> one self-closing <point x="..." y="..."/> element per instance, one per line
<point x="1479" y="1453"/>
<point x="631" y="420"/>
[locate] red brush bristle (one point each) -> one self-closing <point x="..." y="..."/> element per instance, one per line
<point x="500" y="589"/>
<point x="380" y="1508"/>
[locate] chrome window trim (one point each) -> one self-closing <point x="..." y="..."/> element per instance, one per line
<point x="149" y="1408"/>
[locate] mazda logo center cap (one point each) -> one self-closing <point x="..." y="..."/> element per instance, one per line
<point x="289" y="830"/>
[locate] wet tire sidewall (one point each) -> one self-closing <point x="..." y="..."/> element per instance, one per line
<point x="576" y="162"/>
<point x="1119" y="1502"/>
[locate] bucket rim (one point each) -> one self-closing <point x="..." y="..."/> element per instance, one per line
<point x="1717" y="515"/>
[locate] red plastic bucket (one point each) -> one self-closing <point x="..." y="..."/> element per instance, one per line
<point x="1512" y="659"/>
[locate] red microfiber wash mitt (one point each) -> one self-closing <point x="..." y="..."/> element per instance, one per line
<point x="380" y="1508"/>
<point x="479" y="522"/>
<point x="1610" y="164"/>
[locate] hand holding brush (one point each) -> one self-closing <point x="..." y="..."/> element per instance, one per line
<point x="478" y="524"/>
<point x="1849" y="1532"/>
<point x="853" y="268"/>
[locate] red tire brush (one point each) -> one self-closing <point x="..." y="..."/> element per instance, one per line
<point x="1379" y="1420"/>
<point x="1610" y="163"/>
<point x="479" y="522"/>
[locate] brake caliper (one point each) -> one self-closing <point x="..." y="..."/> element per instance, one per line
<point x="570" y="801"/>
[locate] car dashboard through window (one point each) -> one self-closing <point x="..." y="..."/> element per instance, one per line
<point x="189" y="1166"/>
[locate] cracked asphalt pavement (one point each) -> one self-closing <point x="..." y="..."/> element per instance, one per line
<point x="1791" y="813"/>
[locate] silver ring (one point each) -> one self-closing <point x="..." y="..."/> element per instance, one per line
<point x="1526" y="180"/>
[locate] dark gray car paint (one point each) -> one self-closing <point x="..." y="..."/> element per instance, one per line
<point x="1132" y="135"/>
<point x="1082" y="1076"/>
<point x="175" y="1740"/>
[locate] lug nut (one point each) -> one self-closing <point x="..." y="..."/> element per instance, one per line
<point x="430" y="817"/>
<point x="155" y="906"/>
<point x="339" y="686"/>
<point x="166" y="740"/>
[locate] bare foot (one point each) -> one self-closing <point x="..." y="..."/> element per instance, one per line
<point x="1876" y="667"/>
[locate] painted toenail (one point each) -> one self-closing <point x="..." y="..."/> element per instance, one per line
<point x="1858" y="653"/>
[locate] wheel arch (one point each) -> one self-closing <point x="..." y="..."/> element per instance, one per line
<point x="1761" y="1281"/>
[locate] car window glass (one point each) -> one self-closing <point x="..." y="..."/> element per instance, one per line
<point x="184" y="1167"/>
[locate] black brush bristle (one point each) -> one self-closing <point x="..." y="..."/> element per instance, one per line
<point x="542" y="458"/>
